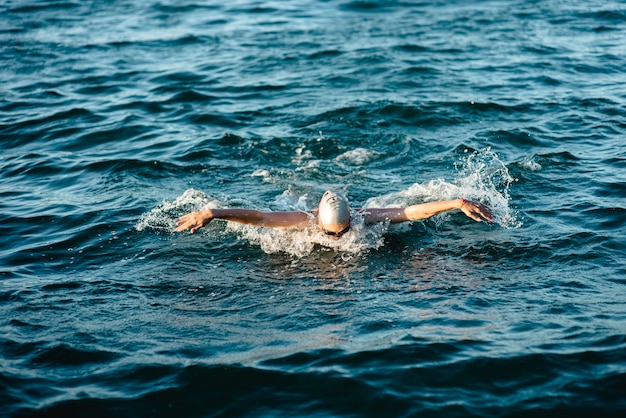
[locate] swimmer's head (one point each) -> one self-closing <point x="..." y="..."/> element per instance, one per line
<point x="334" y="214"/>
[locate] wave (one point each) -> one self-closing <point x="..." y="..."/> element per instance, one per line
<point x="415" y="378"/>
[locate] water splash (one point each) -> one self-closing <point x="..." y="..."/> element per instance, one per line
<point x="530" y="164"/>
<point x="300" y="243"/>
<point x="482" y="176"/>
<point x="164" y="216"/>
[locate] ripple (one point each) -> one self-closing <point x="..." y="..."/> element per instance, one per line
<point x="67" y="356"/>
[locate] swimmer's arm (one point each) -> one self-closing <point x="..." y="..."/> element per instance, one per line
<point x="474" y="210"/>
<point x="196" y="220"/>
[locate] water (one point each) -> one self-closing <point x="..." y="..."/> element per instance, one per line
<point x="118" y="117"/>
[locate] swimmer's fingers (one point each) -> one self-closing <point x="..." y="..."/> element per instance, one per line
<point x="484" y="212"/>
<point x="193" y="221"/>
<point x="184" y="223"/>
<point x="477" y="211"/>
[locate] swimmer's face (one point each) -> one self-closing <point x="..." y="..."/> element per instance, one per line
<point x="335" y="233"/>
<point x="334" y="215"/>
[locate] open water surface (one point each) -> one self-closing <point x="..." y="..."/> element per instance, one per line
<point x="117" y="117"/>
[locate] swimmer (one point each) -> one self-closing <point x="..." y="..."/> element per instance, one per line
<point x="333" y="215"/>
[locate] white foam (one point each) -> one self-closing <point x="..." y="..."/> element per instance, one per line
<point x="265" y="174"/>
<point x="357" y="156"/>
<point x="164" y="216"/>
<point x="301" y="243"/>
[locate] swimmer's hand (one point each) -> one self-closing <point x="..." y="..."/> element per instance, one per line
<point x="477" y="211"/>
<point x="194" y="221"/>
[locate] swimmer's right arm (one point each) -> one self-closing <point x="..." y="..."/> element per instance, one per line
<point x="196" y="220"/>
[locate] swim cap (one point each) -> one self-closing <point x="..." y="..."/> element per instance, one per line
<point x="334" y="210"/>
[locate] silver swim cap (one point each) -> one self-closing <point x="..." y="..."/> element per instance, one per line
<point x="334" y="210"/>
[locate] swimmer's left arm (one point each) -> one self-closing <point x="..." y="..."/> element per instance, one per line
<point x="474" y="210"/>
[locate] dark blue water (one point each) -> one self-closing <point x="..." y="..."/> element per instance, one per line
<point x="118" y="117"/>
